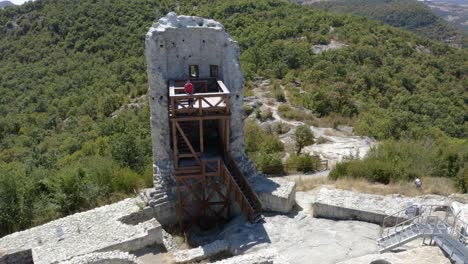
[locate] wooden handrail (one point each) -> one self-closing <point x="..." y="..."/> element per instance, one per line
<point x="239" y="195"/>
<point x="237" y="173"/>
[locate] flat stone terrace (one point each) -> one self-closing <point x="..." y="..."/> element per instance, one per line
<point x="83" y="233"/>
<point x="345" y="205"/>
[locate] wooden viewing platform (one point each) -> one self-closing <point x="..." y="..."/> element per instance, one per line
<point x="211" y="97"/>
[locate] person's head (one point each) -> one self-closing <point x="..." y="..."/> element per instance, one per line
<point x="188" y="80"/>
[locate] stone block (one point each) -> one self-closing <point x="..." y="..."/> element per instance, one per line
<point x="201" y="253"/>
<point x="275" y="194"/>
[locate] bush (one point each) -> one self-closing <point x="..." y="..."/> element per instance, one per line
<point x="462" y="179"/>
<point x="303" y="163"/>
<point x="269" y="163"/>
<point x="257" y="140"/>
<point x="248" y="110"/>
<point x="405" y="160"/>
<point x="283" y="108"/>
<point x="263" y="116"/>
<point x="374" y="171"/>
<point x="279" y="96"/>
<point x="280" y="128"/>
<point x="278" y="92"/>
<point x="264" y="148"/>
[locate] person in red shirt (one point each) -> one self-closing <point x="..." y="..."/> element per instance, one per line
<point x="188" y="87"/>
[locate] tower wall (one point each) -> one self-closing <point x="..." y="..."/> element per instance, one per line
<point x="172" y="45"/>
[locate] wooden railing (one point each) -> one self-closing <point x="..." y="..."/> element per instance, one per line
<point x="242" y="182"/>
<point x="198" y="103"/>
<point x="239" y="194"/>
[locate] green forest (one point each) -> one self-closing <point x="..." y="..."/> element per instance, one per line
<point x="408" y="14"/>
<point x="66" y="66"/>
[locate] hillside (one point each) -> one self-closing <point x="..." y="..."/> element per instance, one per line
<point x="63" y="75"/>
<point x="454" y="12"/>
<point x="411" y="15"/>
<point x="5" y="4"/>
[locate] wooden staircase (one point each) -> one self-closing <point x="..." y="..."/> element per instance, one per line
<point x="253" y="212"/>
<point x="231" y="182"/>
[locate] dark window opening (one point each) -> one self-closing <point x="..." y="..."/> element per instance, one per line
<point x="214" y="71"/>
<point x="193" y="71"/>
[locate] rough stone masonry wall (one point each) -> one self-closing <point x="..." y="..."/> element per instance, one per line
<point x="172" y="45"/>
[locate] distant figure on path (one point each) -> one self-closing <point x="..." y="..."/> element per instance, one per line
<point x="418" y="183"/>
<point x="188" y="87"/>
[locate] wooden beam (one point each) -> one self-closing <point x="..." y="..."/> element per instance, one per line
<point x="174" y="141"/>
<point x="200" y="106"/>
<point x="202" y="144"/>
<point x="206" y="117"/>
<point x="227" y="140"/>
<point x="204" y="191"/>
<point x="179" y="207"/>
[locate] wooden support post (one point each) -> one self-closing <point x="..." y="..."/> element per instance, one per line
<point x="204" y="190"/>
<point x="227" y="140"/>
<point x="174" y="141"/>
<point x="173" y="106"/>
<point x="226" y="100"/>
<point x="200" y="106"/>
<point x="179" y="208"/>
<point x="202" y="144"/>
<point x="229" y="190"/>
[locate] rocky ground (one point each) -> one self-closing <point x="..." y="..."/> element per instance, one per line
<point x="336" y="144"/>
<point x="297" y="237"/>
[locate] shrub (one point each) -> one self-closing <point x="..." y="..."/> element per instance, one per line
<point x="462" y="179"/>
<point x="279" y="96"/>
<point x="257" y="140"/>
<point x="269" y="163"/>
<point x="374" y="171"/>
<point x="248" y="110"/>
<point x="127" y="181"/>
<point x="278" y="92"/>
<point x="340" y="170"/>
<point x="282" y="108"/>
<point x="280" y="128"/>
<point x="263" y="116"/>
<point x="303" y="163"/>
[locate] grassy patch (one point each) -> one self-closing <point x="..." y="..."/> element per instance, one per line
<point x="431" y="185"/>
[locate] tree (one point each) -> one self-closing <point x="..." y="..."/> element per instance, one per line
<point x="303" y="136"/>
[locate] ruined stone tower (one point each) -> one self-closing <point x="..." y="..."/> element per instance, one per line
<point x="198" y="140"/>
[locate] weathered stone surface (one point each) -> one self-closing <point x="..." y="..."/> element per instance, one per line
<point x="95" y="230"/>
<point x="333" y="45"/>
<point x="265" y="256"/>
<point x="346" y="205"/>
<point x="202" y="252"/>
<point x="300" y="238"/>
<point x="111" y="257"/>
<point x="420" y="255"/>
<point x="275" y="194"/>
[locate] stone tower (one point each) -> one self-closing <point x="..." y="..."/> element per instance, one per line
<point x="179" y="48"/>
